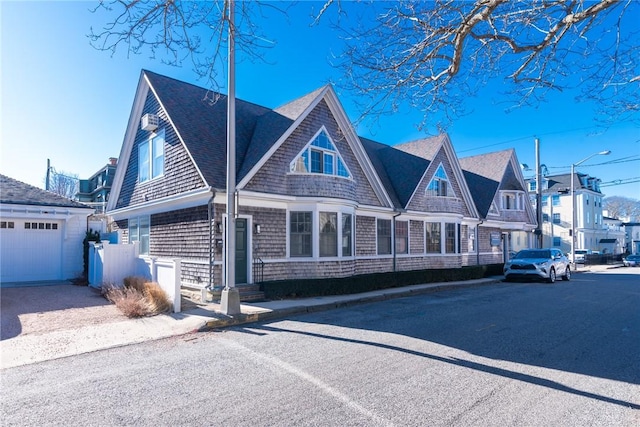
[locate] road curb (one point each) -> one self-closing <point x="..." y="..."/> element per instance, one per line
<point x="240" y="319"/>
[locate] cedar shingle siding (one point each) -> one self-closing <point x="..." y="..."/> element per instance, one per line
<point x="385" y="183"/>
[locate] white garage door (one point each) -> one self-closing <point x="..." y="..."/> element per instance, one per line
<point x="30" y="250"/>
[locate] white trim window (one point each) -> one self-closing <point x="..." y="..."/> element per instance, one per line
<point x="433" y="245"/>
<point x="320" y="156"/>
<point x="512" y="200"/>
<point x="139" y="231"/>
<point x="347" y="235"/>
<point x="151" y="157"/>
<point x="439" y="185"/>
<point x="383" y="236"/>
<point x="300" y="234"/>
<point x="402" y="237"/>
<point x="328" y="234"/>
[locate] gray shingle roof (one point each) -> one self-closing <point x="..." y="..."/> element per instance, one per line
<point x="17" y="192"/>
<point x="426" y="148"/>
<point x="203" y="127"/>
<point x="400" y="172"/>
<point x="483" y="174"/>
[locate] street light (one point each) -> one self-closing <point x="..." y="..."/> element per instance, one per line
<point x="573" y="202"/>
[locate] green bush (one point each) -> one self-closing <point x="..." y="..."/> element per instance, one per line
<point x="305" y="288"/>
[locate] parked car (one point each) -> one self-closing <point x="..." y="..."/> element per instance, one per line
<point x="545" y="264"/>
<point x="631" y="260"/>
<point x="580" y="255"/>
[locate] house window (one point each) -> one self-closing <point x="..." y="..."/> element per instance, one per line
<point x="588" y="218"/>
<point x="439" y="185"/>
<point x="555" y="200"/>
<point x="300" y="234"/>
<point x="347" y="234"/>
<point x="320" y="156"/>
<point x="545" y="200"/>
<point x="433" y="237"/>
<point x="556" y="218"/>
<point x="532" y="186"/>
<point x="328" y="234"/>
<point x="139" y="230"/>
<point x="151" y="157"/>
<point x="10" y="224"/>
<point x="545" y="217"/>
<point x="450" y="238"/>
<point x="383" y="228"/>
<point x="557" y="241"/>
<point x="402" y="237"/>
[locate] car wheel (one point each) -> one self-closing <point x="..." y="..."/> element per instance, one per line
<point x="567" y="274"/>
<point x="552" y="275"/>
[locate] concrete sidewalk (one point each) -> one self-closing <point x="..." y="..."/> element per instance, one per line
<point x="48" y="345"/>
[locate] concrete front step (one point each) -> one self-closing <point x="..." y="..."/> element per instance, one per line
<point x="247" y="293"/>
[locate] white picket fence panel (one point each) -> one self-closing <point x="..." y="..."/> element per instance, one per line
<point x="110" y="264"/>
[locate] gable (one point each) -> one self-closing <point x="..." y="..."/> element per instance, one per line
<point x="275" y="174"/>
<point x="320" y="156"/>
<point x="179" y="173"/>
<point x="424" y="200"/>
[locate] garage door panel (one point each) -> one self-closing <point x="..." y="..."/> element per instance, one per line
<point x="31" y="251"/>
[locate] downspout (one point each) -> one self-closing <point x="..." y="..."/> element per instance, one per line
<point x="210" y="217"/>
<point x="393" y="241"/>
<point x="478" y="242"/>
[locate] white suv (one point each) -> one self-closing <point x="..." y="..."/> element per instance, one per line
<point x="545" y="264"/>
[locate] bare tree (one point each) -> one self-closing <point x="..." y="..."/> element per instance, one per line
<point x="432" y="55"/>
<point x="622" y="207"/>
<point x="428" y="55"/>
<point x="176" y="32"/>
<point x="63" y="183"/>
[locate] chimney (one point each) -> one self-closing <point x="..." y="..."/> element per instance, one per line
<point x="113" y="161"/>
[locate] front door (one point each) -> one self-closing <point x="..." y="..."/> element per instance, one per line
<point x="241" y="251"/>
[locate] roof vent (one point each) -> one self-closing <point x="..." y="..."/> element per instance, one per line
<point x="149" y="122"/>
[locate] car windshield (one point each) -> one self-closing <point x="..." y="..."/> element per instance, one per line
<point x="541" y="253"/>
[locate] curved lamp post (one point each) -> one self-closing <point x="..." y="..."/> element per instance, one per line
<point x="573" y="202"/>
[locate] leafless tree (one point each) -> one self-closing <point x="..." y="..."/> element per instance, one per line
<point x="432" y="55"/>
<point x="63" y="183"/>
<point x="176" y="32"/>
<point x="427" y="55"/>
<point x="622" y="208"/>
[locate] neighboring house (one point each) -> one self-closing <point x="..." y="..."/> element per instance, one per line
<point x="632" y="237"/>
<point x="613" y="241"/>
<point x="500" y="194"/>
<point x="95" y="190"/>
<point x="314" y="200"/>
<point x="557" y="210"/>
<point x="41" y="234"/>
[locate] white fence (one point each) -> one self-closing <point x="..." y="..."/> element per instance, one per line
<point x="110" y="264"/>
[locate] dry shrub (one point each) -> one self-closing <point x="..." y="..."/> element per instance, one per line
<point x="157" y="297"/>
<point x="138" y="297"/>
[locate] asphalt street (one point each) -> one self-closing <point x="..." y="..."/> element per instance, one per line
<point x="566" y="354"/>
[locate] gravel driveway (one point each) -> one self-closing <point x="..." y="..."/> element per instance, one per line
<point x="39" y="309"/>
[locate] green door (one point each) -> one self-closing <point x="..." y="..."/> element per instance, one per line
<point x="241" y="251"/>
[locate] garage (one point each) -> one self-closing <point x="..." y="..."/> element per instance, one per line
<point x="41" y="235"/>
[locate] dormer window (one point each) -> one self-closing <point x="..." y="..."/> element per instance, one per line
<point x="320" y="156"/>
<point x="439" y="185"/>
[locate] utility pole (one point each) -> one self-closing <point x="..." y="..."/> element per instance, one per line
<point x="230" y="298"/>
<point x="46" y="184"/>
<point x="538" y="232"/>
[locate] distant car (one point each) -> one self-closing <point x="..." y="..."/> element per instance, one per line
<point x="545" y="264"/>
<point x="580" y="255"/>
<point x="631" y="260"/>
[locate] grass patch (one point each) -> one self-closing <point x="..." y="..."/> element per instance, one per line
<point x="138" y="297"/>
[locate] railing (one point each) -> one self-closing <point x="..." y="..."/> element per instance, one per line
<point x="258" y="270"/>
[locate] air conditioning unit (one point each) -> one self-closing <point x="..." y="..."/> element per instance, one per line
<point x="149" y="122"/>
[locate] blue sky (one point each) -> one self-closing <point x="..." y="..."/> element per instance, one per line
<point x="66" y="101"/>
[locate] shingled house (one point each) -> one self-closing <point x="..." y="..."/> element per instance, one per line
<point x="314" y="199"/>
<point x="500" y="194"/>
